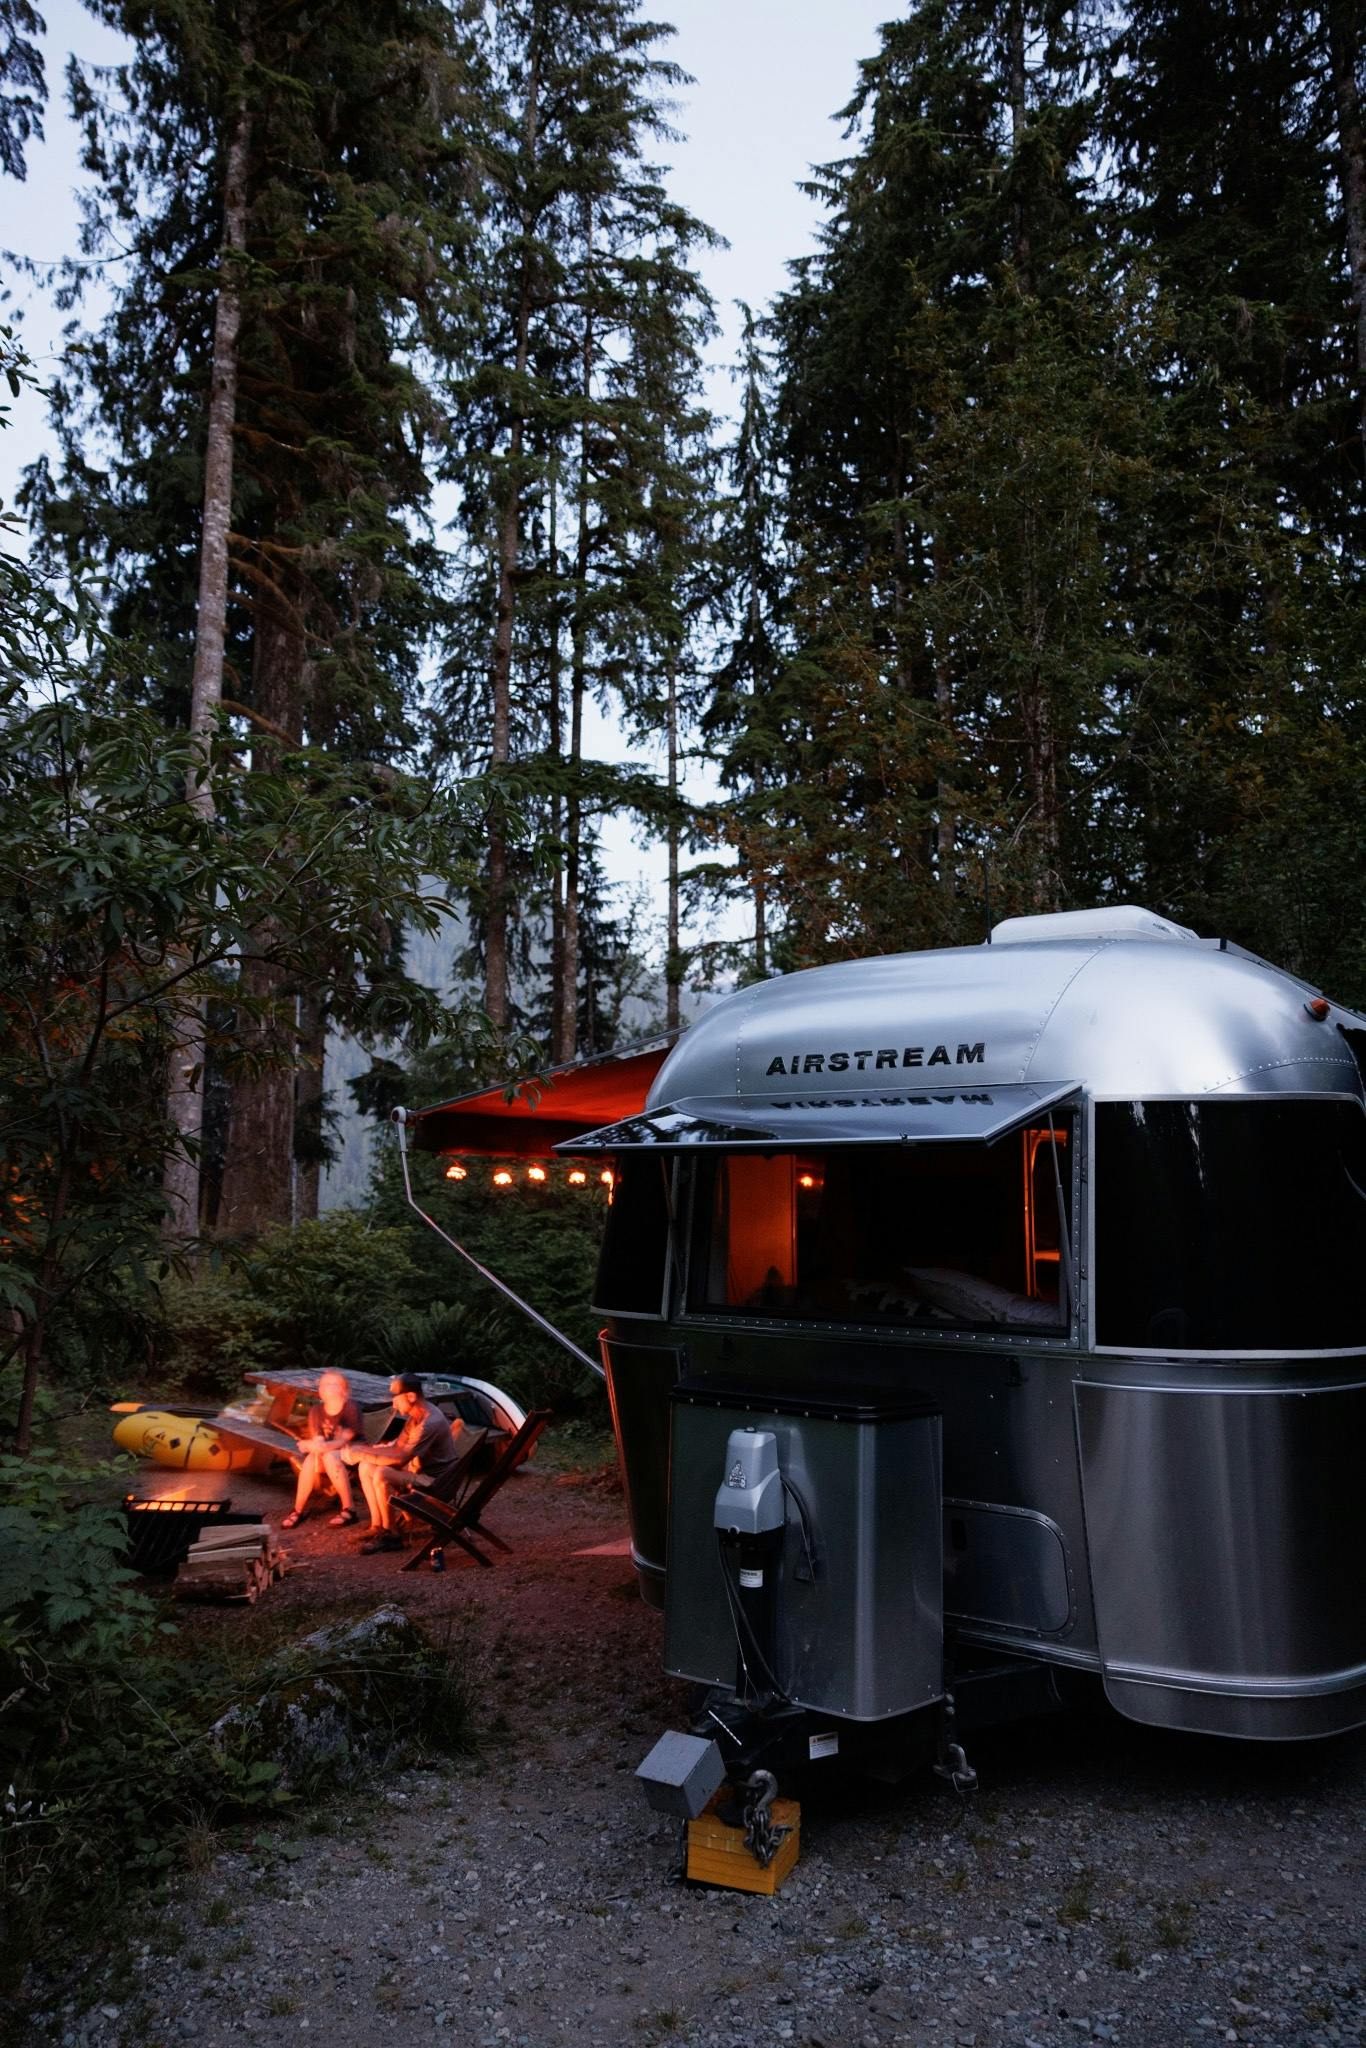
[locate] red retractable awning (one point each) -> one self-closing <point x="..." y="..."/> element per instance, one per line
<point x="571" y="1101"/>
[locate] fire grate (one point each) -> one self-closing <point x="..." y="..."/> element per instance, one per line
<point x="160" y="1532"/>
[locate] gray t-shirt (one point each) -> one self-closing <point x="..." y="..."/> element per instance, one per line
<point x="427" y="1444"/>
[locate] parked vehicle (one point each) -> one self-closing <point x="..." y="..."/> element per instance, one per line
<point x="983" y="1321"/>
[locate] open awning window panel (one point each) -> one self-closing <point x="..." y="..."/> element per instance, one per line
<point x="973" y="1116"/>
<point x="567" y="1102"/>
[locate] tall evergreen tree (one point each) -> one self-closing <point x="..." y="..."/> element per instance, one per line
<point x="356" y="135"/>
<point x="562" y="443"/>
<point x="23" y="83"/>
<point x="749" y="589"/>
<point x="1230" y="192"/>
<point x="937" y="367"/>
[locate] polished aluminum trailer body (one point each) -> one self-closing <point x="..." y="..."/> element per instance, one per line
<point x="1149" y="1428"/>
<point x="1184" y="1518"/>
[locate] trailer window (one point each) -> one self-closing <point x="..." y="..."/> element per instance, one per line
<point x="636" y="1241"/>
<point x="954" y="1235"/>
<point x="1230" y="1226"/>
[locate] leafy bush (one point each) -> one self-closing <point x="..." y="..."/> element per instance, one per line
<point x="94" y="1739"/>
<point x="542" y="1242"/>
<point x="46" y="1410"/>
<point x="330" y="1288"/>
<point x="212" y="1330"/>
<point x="320" y="1294"/>
<point x="383" y="1294"/>
<point x="450" y="1337"/>
<point x="108" y="1754"/>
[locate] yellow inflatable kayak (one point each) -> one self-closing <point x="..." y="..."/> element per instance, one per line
<point x="185" y="1443"/>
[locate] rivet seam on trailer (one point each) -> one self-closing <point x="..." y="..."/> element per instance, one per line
<point x="1274" y="1066"/>
<point x="1048" y="1013"/>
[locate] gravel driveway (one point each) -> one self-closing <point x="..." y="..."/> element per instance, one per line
<point x="1106" y="1883"/>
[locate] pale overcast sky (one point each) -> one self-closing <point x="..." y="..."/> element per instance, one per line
<point x="769" y="75"/>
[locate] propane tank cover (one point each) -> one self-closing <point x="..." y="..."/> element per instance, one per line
<point x="749" y="1500"/>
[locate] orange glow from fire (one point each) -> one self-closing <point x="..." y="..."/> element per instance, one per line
<point x="577" y="1177"/>
<point x="457" y="1173"/>
<point x="536" y="1173"/>
<point x="503" y="1178"/>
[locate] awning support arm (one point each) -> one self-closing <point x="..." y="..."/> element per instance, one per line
<point x="400" y="1119"/>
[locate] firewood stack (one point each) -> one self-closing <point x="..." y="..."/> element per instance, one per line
<point x="235" y="1563"/>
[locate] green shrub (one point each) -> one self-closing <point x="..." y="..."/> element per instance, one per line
<point x="383" y="1294"/>
<point x="108" y="1758"/>
<point x="46" y="1410"/>
<point x="543" y="1243"/>
<point x="320" y="1294"/>
<point x="331" y="1287"/>
<point x="94" y="1738"/>
<point x="212" y="1330"/>
<point x="449" y="1337"/>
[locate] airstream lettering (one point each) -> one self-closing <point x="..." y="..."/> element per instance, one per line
<point x="1065" y="1375"/>
<point x="887" y="1056"/>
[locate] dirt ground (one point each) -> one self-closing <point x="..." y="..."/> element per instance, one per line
<point x="1105" y="1883"/>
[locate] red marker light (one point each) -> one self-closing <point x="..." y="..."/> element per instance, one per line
<point x="1318" y="1008"/>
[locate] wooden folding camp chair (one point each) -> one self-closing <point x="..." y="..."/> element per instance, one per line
<point x="454" y="1483"/>
<point x="453" y="1520"/>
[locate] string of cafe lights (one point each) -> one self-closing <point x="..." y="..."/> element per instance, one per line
<point x="505" y="1178"/>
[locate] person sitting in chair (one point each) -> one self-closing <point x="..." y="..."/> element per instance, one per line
<point x="334" y="1421"/>
<point x="424" y="1448"/>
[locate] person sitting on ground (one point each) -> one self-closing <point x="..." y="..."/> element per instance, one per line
<point x="424" y="1449"/>
<point x="334" y="1421"/>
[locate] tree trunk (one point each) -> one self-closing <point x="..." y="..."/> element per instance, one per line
<point x="258" y="1168"/>
<point x="555" y="723"/>
<point x="946" y="827"/>
<point x="569" y="1036"/>
<point x="760" y="886"/>
<point x="309" y="1090"/>
<point x="185" y="1093"/>
<point x="1041" y="761"/>
<point x="673" y="962"/>
<point x="497" y="993"/>
<point x="1019" y="116"/>
<point x="1344" y="56"/>
<point x="36" y="1334"/>
<point x="573" y="845"/>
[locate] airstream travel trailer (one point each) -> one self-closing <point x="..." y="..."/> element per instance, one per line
<point x="982" y="1317"/>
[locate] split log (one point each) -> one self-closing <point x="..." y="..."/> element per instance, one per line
<point x="233" y="1539"/>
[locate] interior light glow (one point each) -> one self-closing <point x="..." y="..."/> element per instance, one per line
<point x="502" y="1178"/>
<point x="577" y="1177"/>
<point x="457" y="1173"/>
<point x="535" y="1173"/>
<point x="806" y="1180"/>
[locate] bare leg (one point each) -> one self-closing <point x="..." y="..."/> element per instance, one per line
<point x="373" y="1489"/>
<point x="379" y="1481"/>
<point x="340" y="1477"/>
<point x="309" y="1469"/>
